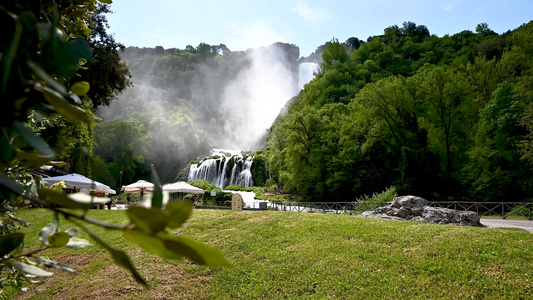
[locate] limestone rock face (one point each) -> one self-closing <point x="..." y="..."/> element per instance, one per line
<point x="413" y="208"/>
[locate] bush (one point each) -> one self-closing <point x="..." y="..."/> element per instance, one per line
<point x="378" y="200"/>
<point x="259" y="170"/>
<point x="234" y="188"/>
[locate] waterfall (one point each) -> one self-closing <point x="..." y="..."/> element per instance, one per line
<point x="306" y="73"/>
<point x="213" y="170"/>
<point x="245" y="177"/>
<point x="209" y="170"/>
<point x="242" y="172"/>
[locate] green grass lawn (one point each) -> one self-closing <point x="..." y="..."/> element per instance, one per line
<point x="280" y="255"/>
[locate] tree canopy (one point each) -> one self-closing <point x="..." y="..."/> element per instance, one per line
<point x="440" y="117"/>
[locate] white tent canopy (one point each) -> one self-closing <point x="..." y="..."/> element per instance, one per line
<point x="182" y="187"/>
<point x="79" y="181"/>
<point x="137" y="187"/>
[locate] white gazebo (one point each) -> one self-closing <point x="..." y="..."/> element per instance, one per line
<point x="182" y="187"/>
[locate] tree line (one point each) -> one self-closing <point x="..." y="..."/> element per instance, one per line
<point x="439" y="117"/>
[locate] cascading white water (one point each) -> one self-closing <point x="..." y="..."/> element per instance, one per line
<point x="209" y="170"/>
<point x="306" y="73"/>
<point x="243" y="177"/>
<point x="214" y="170"/>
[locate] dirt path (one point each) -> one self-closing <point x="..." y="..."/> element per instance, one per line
<point x="495" y="223"/>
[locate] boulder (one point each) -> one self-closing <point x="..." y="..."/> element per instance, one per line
<point x="413" y="208"/>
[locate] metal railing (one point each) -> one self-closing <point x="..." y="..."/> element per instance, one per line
<point x="501" y="209"/>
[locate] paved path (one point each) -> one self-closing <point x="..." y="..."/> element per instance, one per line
<point x="494" y="223"/>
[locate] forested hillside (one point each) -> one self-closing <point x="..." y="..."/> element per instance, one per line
<point x="436" y="117"/>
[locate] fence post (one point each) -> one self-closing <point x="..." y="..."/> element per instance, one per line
<point x="503" y="210"/>
<point x="530" y="204"/>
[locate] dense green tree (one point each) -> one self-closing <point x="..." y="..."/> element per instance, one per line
<point x="495" y="170"/>
<point x="446" y="96"/>
<point x="120" y="146"/>
<point x="333" y="54"/>
<point x="396" y="104"/>
<point x="107" y="74"/>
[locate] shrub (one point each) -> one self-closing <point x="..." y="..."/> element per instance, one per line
<point x="378" y="200"/>
<point x="234" y="188"/>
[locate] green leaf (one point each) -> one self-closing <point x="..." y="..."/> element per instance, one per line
<point x="35" y="141"/>
<point x="120" y="257"/>
<point x="10" y="242"/>
<point x="106" y="1"/>
<point x="43" y="75"/>
<point x="80" y="88"/>
<point x="33" y="270"/>
<point x="70" y="112"/>
<point x="47" y="231"/>
<point x="195" y="251"/>
<point x="32" y="160"/>
<point x="150" y="243"/>
<point x="10" y="54"/>
<point x="58" y="239"/>
<point x="176" y="247"/>
<point x="54" y="264"/>
<point x="67" y="55"/>
<point x="157" y="196"/>
<point x="11" y="184"/>
<point x="77" y="243"/>
<point x="148" y="220"/>
<point x="62" y="200"/>
<point x="179" y="212"/>
<point x="56" y="219"/>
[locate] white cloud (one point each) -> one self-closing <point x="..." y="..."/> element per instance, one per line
<point x="313" y="16"/>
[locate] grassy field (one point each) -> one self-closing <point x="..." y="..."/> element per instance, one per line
<point x="286" y="255"/>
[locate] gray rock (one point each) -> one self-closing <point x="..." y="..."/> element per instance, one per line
<point x="408" y="201"/>
<point x="413" y="208"/>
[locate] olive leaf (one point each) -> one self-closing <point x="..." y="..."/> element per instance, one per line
<point x="80" y="88"/>
<point x="54" y="264"/>
<point x="47" y="231"/>
<point x="29" y="269"/>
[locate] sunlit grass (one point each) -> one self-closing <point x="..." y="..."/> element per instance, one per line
<point x="310" y="255"/>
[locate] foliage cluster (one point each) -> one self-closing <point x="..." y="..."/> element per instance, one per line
<point x="43" y="46"/>
<point x="435" y="117"/>
<point x="378" y="199"/>
<point x="221" y="197"/>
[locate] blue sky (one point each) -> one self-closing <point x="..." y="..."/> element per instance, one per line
<point x="243" y="24"/>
